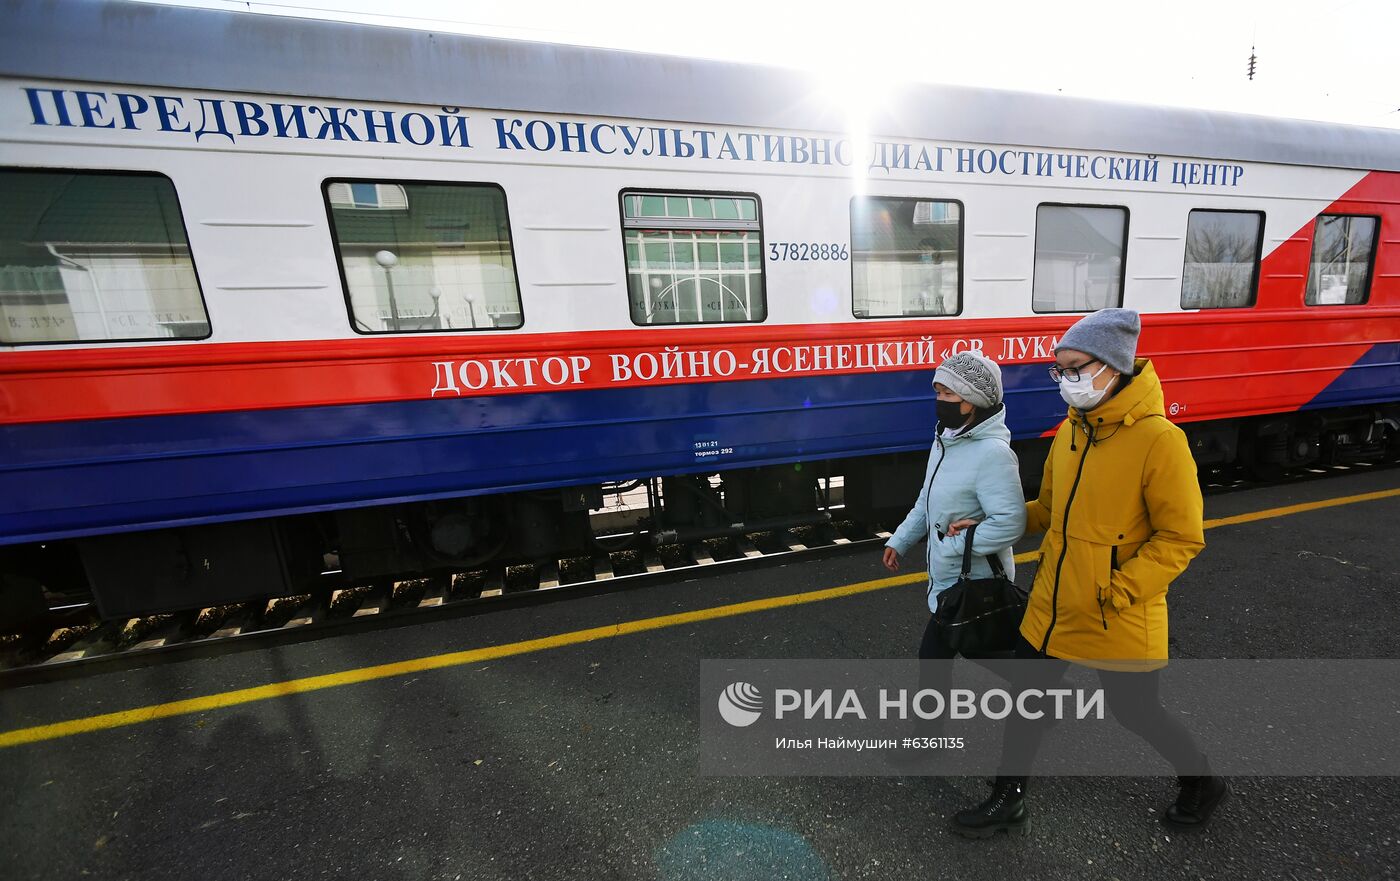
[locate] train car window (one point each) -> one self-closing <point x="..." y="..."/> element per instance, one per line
<point x="906" y="257"/>
<point x="1344" y="246"/>
<point x="424" y="256"/>
<point x="693" y="258"/>
<point x="1222" y="259"/>
<point x="1078" y="257"/>
<point x="95" y="257"/>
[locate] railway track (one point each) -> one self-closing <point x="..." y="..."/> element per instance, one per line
<point x="75" y="643"/>
<point x="85" y="645"/>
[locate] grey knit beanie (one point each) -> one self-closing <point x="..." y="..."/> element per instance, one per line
<point x="973" y="377"/>
<point x="1110" y="335"/>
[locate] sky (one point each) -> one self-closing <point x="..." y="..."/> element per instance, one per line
<point x="1331" y="61"/>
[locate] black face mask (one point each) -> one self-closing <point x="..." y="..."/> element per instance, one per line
<point x="950" y="414"/>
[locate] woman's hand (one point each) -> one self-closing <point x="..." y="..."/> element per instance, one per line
<point x="959" y="525"/>
<point x="891" y="560"/>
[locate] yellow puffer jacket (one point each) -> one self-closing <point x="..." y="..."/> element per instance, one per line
<point x="1121" y="511"/>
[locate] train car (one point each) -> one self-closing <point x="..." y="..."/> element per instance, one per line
<point x="280" y="294"/>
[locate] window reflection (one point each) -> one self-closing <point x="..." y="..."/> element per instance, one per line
<point x="1340" y="270"/>
<point x="693" y="259"/>
<point x="93" y="257"/>
<point x="1222" y="259"/>
<point x="424" y="257"/>
<point x="1078" y="258"/>
<point x="905" y="257"/>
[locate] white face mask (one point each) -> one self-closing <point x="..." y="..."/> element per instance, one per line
<point x="1082" y="395"/>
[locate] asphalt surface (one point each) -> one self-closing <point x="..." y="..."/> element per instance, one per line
<point x="580" y="762"/>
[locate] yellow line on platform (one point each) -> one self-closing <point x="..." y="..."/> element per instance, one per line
<point x="224" y="699"/>
<point x="1301" y="508"/>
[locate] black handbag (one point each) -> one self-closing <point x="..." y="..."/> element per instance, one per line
<point x="980" y="616"/>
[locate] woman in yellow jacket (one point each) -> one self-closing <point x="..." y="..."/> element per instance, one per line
<point x="1121" y="510"/>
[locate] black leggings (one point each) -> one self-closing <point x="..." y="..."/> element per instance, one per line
<point x="938" y="677"/>
<point x="1132" y="698"/>
<point x="932" y="647"/>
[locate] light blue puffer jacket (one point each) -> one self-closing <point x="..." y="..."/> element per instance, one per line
<point x="970" y="475"/>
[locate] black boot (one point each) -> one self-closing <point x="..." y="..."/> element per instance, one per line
<point x="1005" y="811"/>
<point x="1198" y="798"/>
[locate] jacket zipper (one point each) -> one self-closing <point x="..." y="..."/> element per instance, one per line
<point x="928" y="492"/>
<point x="1064" y="544"/>
<point x="1112" y="567"/>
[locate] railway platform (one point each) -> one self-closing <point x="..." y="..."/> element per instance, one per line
<point x="560" y="741"/>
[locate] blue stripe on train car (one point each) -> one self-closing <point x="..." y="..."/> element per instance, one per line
<point x="1374" y="378"/>
<point x="78" y="478"/>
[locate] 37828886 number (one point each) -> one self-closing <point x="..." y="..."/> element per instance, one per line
<point x="808" y="251"/>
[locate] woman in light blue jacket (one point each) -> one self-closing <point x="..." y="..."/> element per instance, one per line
<point x="972" y="477"/>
